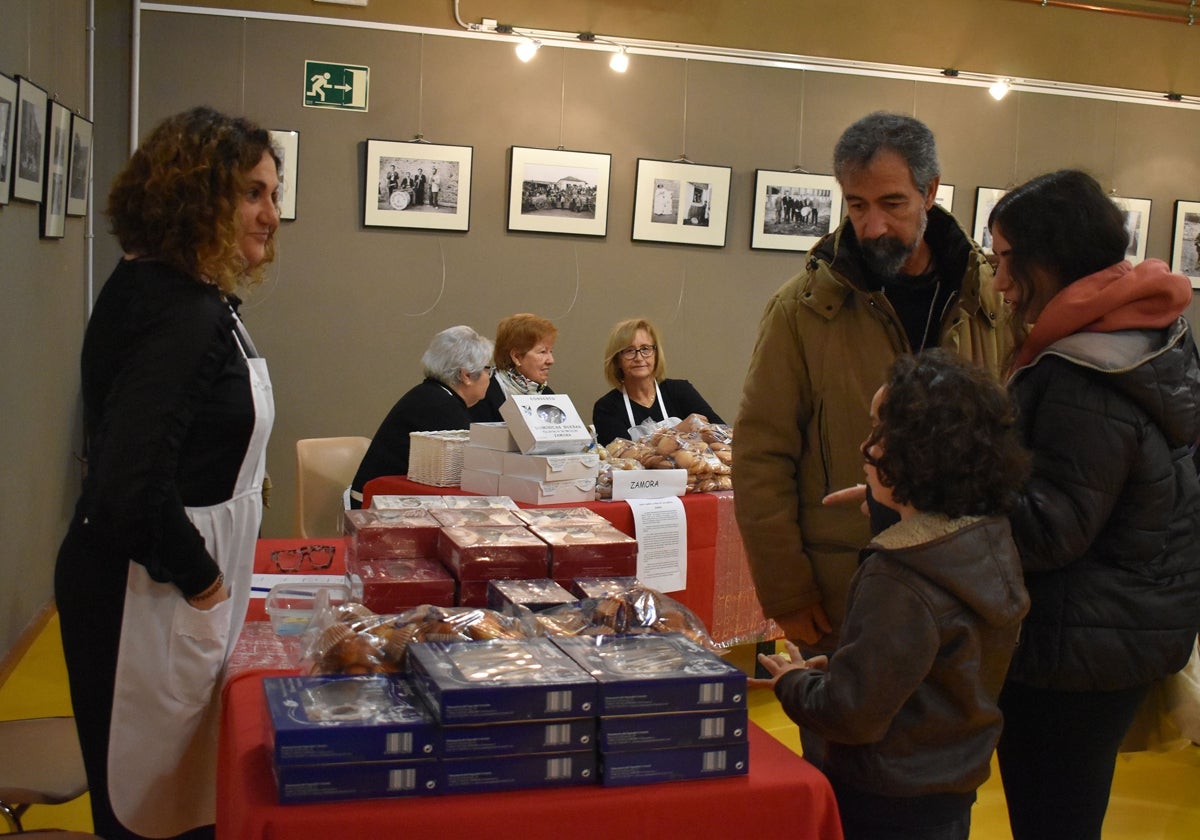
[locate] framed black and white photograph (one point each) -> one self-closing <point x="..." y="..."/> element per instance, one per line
<point x="1185" y="243"/>
<point x="944" y="197"/>
<point x="54" y="199"/>
<point x="79" y="170"/>
<point x="558" y="191"/>
<point x="287" y="146"/>
<point x="8" y="125"/>
<point x="985" y="200"/>
<point x="792" y="210"/>
<point x="1137" y="224"/>
<point x="682" y="203"/>
<point x="29" y="142"/>
<point x="417" y="185"/>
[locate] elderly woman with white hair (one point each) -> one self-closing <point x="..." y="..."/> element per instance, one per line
<point x="458" y="371"/>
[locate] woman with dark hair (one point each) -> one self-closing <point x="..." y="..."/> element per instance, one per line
<point x="905" y="707"/>
<point x="153" y="577"/>
<point x="524" y="354"/>
<point x="635" y="364"/>
<point x="1107" y="385"/>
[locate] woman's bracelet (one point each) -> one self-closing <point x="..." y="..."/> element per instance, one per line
<point x="213" y="589"/>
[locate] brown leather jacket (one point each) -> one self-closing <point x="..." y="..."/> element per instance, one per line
<point x="824" y="345"/>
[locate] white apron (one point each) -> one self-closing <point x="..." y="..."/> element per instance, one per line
<point x="162" y="757"/>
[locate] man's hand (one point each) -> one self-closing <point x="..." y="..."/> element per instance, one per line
<point x="807" y="625"/>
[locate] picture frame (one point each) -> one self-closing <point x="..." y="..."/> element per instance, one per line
<point x="945" y="197"/>
<point x="558" y="191"/>
<point x="985" y="200"/>
<point x="1185" y="242"/>
<point x="8" y="125"/>
<point x="681" y="202"/>
<point x="398" y="192"/>
<point x="54" y="199"/>
<point x="287" y="146"/>
<point x="1137" y="223"/>
<point x="793" y="210"/>
<point x="29" y="142"/>
<point x="79" y="170"/>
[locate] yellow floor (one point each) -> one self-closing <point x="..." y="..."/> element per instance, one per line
<point x="1156" y="795"/>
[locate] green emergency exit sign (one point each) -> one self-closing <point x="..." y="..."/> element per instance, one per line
<point x="328" y="85"/>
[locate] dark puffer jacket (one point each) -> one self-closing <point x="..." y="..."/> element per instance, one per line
<point x="1109" y="528"/>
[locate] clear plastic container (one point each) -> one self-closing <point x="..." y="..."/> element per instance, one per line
<point x="292" y="605"/>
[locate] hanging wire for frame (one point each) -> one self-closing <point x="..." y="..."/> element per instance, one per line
<point x="420" y="138"/>
<point x="683" y="158"/>
<point x="562" y="102"/>
<point x="798" y="169"/>
<point x="578" y="285"/>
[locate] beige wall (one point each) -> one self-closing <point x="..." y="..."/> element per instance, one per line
<point x="347" y="310"/>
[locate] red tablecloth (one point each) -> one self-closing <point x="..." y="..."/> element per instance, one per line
<point x="719" y="589"/>
<point x="783" y="796"/>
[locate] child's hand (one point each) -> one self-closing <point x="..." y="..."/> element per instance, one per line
<point x="847" y="495"/>
<point x="780" y="663"/>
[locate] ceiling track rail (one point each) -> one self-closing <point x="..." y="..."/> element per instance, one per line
<point x="1187" y="13"/>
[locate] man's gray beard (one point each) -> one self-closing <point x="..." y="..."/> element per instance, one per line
<point x="886" y="255"/>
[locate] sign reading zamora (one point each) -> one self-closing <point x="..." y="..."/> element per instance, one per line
<point x="341" y="86"/>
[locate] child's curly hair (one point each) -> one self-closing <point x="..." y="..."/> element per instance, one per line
<point x="177" y="197"/>
<point x="949" y="438"/>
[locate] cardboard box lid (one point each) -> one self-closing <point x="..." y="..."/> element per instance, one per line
<point x="545" y="424"/>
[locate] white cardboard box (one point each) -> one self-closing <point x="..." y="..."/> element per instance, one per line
<point x="545" y="424"/>
<point x="492" y="436"/>
<point x="484" y="459"/>
<point x="564" y="467"/>
<point x="535" y="492"/>
<point x="481" y="482"/>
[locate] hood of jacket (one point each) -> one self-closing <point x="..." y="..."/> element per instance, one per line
<point x="1156" y="369"/>
<point x="915" y="543"/>
<point x="956" y="256"/>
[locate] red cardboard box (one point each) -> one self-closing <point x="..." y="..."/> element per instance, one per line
<point x="394" y="584"/>
<point x="408" y="532"/>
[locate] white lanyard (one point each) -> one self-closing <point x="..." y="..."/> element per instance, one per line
<point x="662" y="404"/>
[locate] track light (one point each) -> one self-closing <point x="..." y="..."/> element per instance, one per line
<point x="1000" y="89"/>
<point x="527" y="49"/>
<point x="619" y="61"/>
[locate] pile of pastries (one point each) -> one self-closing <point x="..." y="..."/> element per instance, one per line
<point x="704" y="449"/>
<point x="351" y="639"/>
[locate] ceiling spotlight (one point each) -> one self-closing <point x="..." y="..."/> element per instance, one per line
<point x="1000" y="89"/>
<point x="619" y="61"/>
<point x="528" y="48"/>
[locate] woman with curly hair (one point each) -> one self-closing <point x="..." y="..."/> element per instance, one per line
<point x="905" y="708"/>
<point x="1107" y="381"/>
<point x="153" y="577"/>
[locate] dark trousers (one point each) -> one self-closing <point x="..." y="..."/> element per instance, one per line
<point x="89" y="591"/>
<point x="1057" y="754"/>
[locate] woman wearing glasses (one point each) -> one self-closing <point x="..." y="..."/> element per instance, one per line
<point x="523" y="356"/>
<point x="457" y="375"/>
<point x="636" y="366"/>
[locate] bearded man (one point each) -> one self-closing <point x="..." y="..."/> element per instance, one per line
<point x="898" y="275"/>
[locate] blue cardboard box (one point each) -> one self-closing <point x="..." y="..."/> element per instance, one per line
<point x="359" y="780"/>
<point x="523" y="737"/>
<point x="340" y="719"/>
<point x="499" y="681"/>
<point x="652" y="766"/>
<point x="622" y="733"/>
<point x="517" y="772"/>
<point x="654" y="673"/>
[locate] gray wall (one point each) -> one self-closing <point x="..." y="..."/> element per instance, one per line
<point x="347" y="311"/>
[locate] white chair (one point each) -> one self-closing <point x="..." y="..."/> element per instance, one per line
<point x="40" y="764"/>
<point x="324" y="469"/>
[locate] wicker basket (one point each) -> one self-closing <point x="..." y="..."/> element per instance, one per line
<point x="436" y="458"/>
